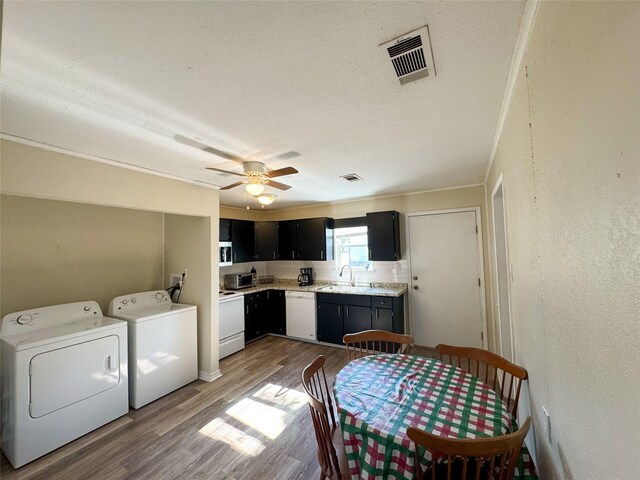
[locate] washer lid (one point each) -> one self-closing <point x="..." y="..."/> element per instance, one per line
<point x="43" y="336"/>
<point x="146" y="313"/>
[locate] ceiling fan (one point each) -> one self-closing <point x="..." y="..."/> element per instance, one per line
<point x="255" y="173"/>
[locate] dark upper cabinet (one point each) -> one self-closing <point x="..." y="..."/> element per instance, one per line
<point x="287" y="239"/>
<point x="266" y="240"/>
<point x="314" y="239"/>
<point x="243" y="241"/>
<point x="277" y="312"/>
<point x="225" y="230"/>
<point x="384" y="236"/>
<point x="307" y="239"/>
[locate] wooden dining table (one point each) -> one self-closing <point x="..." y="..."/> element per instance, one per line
<point x="379" y="397"/>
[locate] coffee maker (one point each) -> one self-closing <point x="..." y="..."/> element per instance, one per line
<point x="306" y="277"/>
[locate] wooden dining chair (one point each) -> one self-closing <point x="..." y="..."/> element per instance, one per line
<point x="372" y="342"/>
<point x="331" y="453"/>
<point x="504" y="377"/>
<point x="492" y="458"/>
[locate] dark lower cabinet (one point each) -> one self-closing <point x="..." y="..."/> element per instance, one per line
<point x="256" y="319"/>
<point x="277" y="312"/>
<point x="339" y="314"/>
<point x="329" y="322"/>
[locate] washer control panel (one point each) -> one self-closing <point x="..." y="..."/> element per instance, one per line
<point x="138" y="300"/>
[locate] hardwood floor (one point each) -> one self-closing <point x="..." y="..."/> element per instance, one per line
<point x="253" y="423"/>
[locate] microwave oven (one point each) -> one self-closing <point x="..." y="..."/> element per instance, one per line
<point x="225" y="254"/>
<point x="236" y="281"/>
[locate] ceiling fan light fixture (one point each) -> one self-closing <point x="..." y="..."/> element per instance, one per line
<point x="267" y="198"/>
<point x="255" y="187"/>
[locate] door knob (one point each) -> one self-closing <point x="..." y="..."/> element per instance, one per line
<point x="415" y="287"/>
<point x="415" y="277"/>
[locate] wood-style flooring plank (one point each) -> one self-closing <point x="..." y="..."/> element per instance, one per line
<point x="251" y="423"/>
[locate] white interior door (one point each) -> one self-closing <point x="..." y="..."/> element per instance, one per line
<point x="446" y="296"/>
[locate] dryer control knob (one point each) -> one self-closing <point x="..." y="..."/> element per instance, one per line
<point x="125" y="301"/>
<point x="24" y="319"/>
<point x="133" y="300"/>
<point x="159" y="295"/>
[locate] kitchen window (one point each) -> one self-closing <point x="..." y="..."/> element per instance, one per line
<point x="351" y="246"/>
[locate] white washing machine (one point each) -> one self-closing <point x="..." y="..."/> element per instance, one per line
<point x="163" y="344"/>
<point x="64" y="374"/>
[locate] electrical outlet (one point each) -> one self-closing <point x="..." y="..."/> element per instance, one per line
<point x="174" y="279"/>
<point x="547" y="423"/>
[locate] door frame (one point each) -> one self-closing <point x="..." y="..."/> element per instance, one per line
<point x="497" y="317"/>
<point x="480" y="251"/>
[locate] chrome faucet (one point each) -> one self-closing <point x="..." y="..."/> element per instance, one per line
<point x="351" y="282"/>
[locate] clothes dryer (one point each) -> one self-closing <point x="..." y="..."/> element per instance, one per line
<point x="163" y="344"/>
<point x="64" y="374"/>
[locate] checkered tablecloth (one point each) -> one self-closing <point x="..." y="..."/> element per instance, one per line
<point x="380" y="396"/>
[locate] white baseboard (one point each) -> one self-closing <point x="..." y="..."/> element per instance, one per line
<point x="209" y="377"/>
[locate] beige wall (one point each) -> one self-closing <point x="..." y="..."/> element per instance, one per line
<point x="572" y="192"/>
<point x="59" y="252"/>
<point x="185" y="239"/>
<point x="33" y="172"/>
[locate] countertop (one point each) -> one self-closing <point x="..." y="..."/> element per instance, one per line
<point x="373" y="289"/>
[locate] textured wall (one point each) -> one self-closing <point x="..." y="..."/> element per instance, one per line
<point x="58" y="252"/>
<point x="570" y="156"/>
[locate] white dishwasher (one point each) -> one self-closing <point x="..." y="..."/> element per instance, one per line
<point x="301" y="315"/>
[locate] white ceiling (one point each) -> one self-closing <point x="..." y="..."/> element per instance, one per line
<point x="118" y="80"/>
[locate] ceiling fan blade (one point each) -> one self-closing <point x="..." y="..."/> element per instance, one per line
<point x="225" y="171"/>
<point x="233" y="185"/>
<point x="206" y="148"/>
<point x="281" y="172"/>
<point x="278" y="185"/>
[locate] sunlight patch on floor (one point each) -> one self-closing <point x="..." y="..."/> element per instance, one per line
<point x="269" y="421"/>
<point x="281" y="396"/>
<point x="218" y="429"/>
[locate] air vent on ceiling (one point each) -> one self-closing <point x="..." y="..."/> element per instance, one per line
<point x="411" y="55"/>
<point x="351" y="177"/>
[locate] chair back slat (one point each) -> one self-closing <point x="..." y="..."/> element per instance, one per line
<point x="372" y="342"/>
<point x="314" y="383"/>
<point x="494" y="457"/>
<point x="504" y="377"/>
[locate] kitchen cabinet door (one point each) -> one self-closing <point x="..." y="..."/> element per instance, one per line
<point x="356" y="318"/>
<point x="384" y="236"/>
<point x="225" y="230"/>
<point x="330" y="327"/>
<point x="314" y="239"/>
<point x="243" y="241"/>
<point x="382" y="319"/>
<point x="287" y="240"/>
<point x="266" y="240"/>
<point x="277" y="312"/>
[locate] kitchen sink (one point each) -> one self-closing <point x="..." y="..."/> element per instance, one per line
<point x="344" y="289"/>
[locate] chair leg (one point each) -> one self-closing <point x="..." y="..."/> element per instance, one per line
<point x="322" y="475"/>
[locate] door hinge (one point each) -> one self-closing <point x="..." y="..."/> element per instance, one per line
<point x="476" y="228"/>
<point x="482" y="336"/>
<point x="479" y="284"/>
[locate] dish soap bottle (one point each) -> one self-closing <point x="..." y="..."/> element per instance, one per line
<point x="255" y="278"/>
